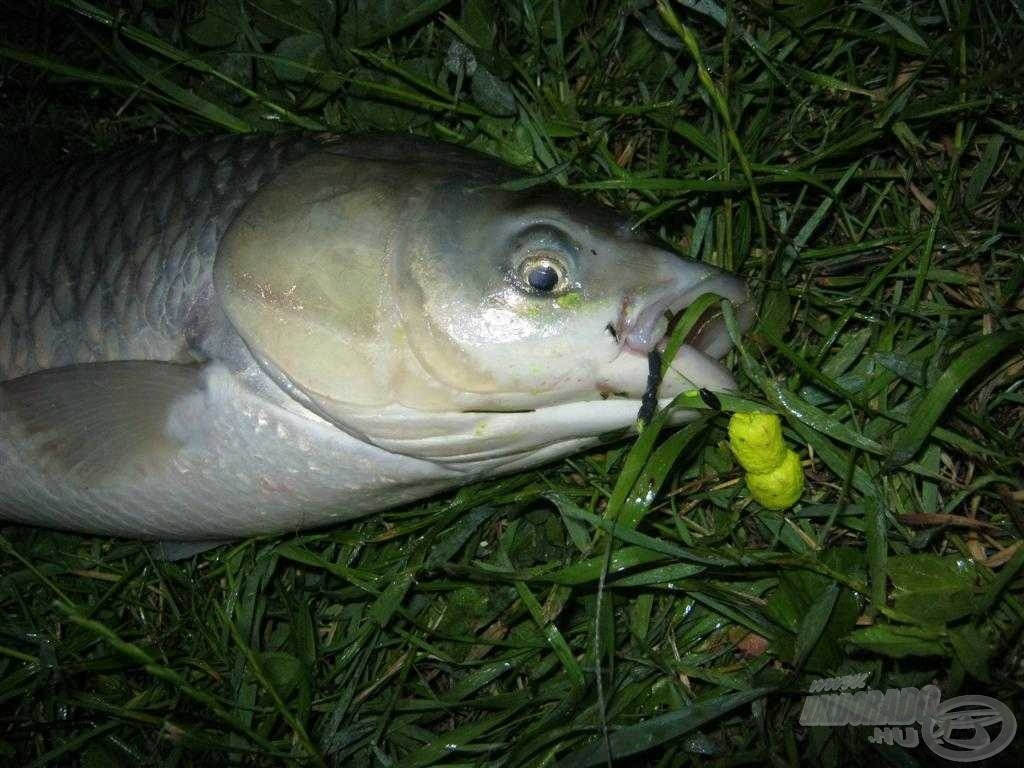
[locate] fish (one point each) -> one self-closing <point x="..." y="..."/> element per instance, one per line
<point x="243" y="335"/>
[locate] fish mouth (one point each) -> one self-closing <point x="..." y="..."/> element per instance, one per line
<point x="649" y="329"/>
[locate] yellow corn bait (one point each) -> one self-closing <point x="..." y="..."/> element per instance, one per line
<point x="774" y="475"/>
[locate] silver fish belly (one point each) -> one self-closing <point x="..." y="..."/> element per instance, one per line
<point x="253" y="335"/>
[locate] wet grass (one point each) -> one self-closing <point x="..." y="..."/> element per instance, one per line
<point x="860" y="164"/>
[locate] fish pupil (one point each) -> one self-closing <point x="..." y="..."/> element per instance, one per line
<point x="543" y="278"/>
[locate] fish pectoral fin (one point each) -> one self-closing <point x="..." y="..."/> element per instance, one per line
<point x="94" y="420"/>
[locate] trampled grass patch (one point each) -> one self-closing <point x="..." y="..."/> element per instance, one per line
<point x="860" y="164"/>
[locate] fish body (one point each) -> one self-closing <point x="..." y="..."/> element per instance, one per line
<point x="253" y="335"/>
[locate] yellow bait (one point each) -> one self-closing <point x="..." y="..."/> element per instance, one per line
<point x="774" y="475"/>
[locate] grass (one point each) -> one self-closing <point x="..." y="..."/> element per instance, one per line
<point x="860" y="164"/>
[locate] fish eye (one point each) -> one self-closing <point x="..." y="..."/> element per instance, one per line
<point x="543" y="273"/>
<point x="542" y="277"/>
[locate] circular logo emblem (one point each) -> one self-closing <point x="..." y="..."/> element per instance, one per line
<point x="958" y="730"/>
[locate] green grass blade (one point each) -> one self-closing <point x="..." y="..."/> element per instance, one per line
<point x="934" y="404"/>
<point x="635" y="739"/>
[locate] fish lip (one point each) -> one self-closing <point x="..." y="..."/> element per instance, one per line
<point x="648" y="330"/>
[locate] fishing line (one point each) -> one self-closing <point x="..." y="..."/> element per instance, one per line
<point x="649" y="401"/>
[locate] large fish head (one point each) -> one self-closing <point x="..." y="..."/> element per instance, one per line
<point x="518" y="300"/>
<point x="414" y="297"/>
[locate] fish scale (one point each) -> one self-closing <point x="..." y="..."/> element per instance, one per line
<point x="124" y="244"/>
